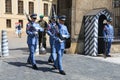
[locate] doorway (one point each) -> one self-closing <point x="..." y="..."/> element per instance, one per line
<point x="101" y="45"/>
<point x="64" y="7"/>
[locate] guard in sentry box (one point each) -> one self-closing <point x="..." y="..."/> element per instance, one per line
<point x="108" y="33"/>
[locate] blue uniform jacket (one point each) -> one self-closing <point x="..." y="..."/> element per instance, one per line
<point x="108" y="33"/>
<point x="31" y="28"/>
<point x="51" y="32"/>
<point x="64" y="33"/>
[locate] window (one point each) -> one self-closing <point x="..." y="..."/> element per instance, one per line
<point x="45" y="9"/>
<point x="20" y="7"/>
<point x="21" y="21"/>
<point x="53" y="9"/>
<point x="8" y="6"/>
<point x="31" y="7"/>
<point x="116" y="3"/>
<point x="8" y="23"/>
<point x="116" y="18"/>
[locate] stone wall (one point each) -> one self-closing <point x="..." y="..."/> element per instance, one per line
<point x="115" y="48"/>
<point x="84" y="6"/>
<point x="79" y="9"/>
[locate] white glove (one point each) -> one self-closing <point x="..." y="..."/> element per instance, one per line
<point x="36" y="33"/>
<point x="64" y="36"/>
<point x="60" y="40"/>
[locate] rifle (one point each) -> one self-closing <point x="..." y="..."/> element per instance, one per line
<point x="54" y="14"/>
<point x="68" y="41"/>
<point x="27" y="17"/>
<point x="58" y="26"/>
<point x="31" y="24"/>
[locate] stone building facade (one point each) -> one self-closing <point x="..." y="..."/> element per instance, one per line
<point x="75" y="11"/>
<point x="12" y="11"/>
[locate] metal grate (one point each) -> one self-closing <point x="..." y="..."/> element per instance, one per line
<point x="116" y="18"/>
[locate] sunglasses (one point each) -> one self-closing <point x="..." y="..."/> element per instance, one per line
<point x="34" y="18"/>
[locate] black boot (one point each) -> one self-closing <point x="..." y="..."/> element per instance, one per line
<point x="62" y="72"/>
<point x="50" y="61"/>
<point x="35" y="67"/>
<point x="28" y="61"/>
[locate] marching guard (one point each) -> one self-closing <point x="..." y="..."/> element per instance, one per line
<point x="32" y="30"/>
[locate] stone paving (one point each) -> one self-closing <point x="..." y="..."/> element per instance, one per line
<point x="77" y="67"/>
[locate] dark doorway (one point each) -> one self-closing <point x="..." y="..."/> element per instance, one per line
<point x="100" y="34"/>
<point x="64" y="7"/>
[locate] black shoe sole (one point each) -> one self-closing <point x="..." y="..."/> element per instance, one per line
<point x="50" y="61"/>
<point x="62" y="72"/>
<point x="35" y="67"/>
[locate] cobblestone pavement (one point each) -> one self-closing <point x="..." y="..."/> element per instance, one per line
<point x="77" y="67"/>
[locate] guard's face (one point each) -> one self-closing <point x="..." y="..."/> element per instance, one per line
<point x="41" y="18"/>
<point x="33" y="19"/>
<point x="53" y="20"/>
<point x="62" y="21"/>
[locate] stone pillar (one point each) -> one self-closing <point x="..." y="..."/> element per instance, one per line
<point x="73" y="18"/>
<point x="73" y="24"/>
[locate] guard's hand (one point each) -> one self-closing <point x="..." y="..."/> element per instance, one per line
<point x="60" y="40"/>
<point x="64" y="36"/>
<point x="36" y="33"/>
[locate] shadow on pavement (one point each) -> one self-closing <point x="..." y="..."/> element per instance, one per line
<point x="46" y="69"/>
<point x="42" y="62"/>
<point x="27" y="50"/>
<point x="43" y="69"/>
<point x="22" y="49"/>
<point x="18" y="64"/>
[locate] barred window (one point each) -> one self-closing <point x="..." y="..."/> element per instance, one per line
<point x="31" y="7"/>
<point x="20" y="7"/>
<point x="116" y="3"/>
<point x="8" y="6"/>
<point x="8" y="23"/>
<point x="116" y="17"/>
<point x="21" y="21"/>
<point x="45" y="9"/>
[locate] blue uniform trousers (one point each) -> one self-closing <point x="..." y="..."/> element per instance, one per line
<point x="60" y="51"/>
<point x="108" y="47"/>
<point x="53" y="50"/>
<point x="32" y="48"/>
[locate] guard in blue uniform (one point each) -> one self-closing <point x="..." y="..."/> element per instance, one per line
<point x="51" y="32"/>
<point x="32" y="39"/>
<point x="108" y="33"/>
<point x="61" y="35"/>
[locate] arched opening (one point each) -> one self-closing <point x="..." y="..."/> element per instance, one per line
<point x="100" y="34"/>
